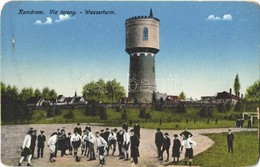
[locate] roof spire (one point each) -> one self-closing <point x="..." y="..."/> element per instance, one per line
<point x="151" y="13"/>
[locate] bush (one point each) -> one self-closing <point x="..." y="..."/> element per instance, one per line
<point x="142" y="113"/>
<point x="238" y="107"/>
<point x="228" y="106"/>
<point x="148" y="116"/>
<point x="180" y="108"/>
<point x="69" y="115"/>
<point x="206" y="111"/>
<point x="102" y="113"/>
<point x="221" y="107"/>
<point x="124" y="115"/>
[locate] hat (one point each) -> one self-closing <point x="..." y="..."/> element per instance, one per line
<point x="175" y="135"/>
<point x="30" y="132"/>
<point x="31" y="128"/>
<point x="158" y="129"/>
<point x="102" y="130"/>
<point x="107" y="128"/>
<point x="42" y="131"/>
<point x="78" y="123"/>
<point x="167" y="134"/>
<point x="115" y="129"/>
<point x="98" y="131"/>
<point x="69" y="133"/>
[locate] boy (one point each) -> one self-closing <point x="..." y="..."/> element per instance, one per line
<point x="26" y="149"/>
<point x="134" y="140"/>
<point x="166" y="146"/>
<point x="188" y="144"/>
<point x="101" y="147"/>
<point x="52" y="145"/>
<point x="41" y="139"/>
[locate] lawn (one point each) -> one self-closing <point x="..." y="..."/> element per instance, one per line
<point x="245" y="151"/>
<point x="169" y="118"/>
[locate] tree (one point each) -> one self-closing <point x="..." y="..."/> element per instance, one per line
<point x="110" y="91"/>
<point x="253" y="92"/>
<point x="124" y="115"/>
<point x="37" y="93"/>
<point x="45" y="92"/>
<point x="25" y="94"/>
<point x="236" y="85"/>
<point x="102" y="113"/>
<point x="182" y="96"/>
<point x="221" y="107"/>
<point x="3" y="88"/>
<point x="206" y="111"/>
<point x="52" y="94"/>
<point x="239" y="106"/>
<point x="12" y="92"/>
<point x="114" y="91"/>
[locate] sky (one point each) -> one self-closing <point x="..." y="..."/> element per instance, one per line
<point x="203" y="45"/>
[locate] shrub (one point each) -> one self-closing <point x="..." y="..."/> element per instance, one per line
<point x="69" y="115"/>
<point x="221" y="107"/>
<point x="228" y="106"/>
<point x="238" y="107"/>
<point x="180" y="108"/>
<point x="102" y="113"/>
<point x="124" y="115"/>
<point x="206" y="111"/>
<point x="142" y="113"/>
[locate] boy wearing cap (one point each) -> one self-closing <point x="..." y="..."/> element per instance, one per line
<point x="41" y="139"/>
<point x="159" y="141"/>
<point x="166" y="146"/>
<point x="101" y="146"/>
<point x="26" y="149"/>
<point x="230" y="138"/>
<point x="78" y="129"/>
<point x="186" y="134"/>
<point x="176" y="148"/>
<point x="33" y="142"/>
<point x="134" y="140"/>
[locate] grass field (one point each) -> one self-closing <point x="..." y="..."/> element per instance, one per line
<point x="170" y="119"/>
<point x="245" y="151"/>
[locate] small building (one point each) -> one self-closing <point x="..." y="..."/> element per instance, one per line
<point x="172" y="99"/>
<point x="224" y="97"/>
<point x="35" y="101"/>
<point x="208" y="99"/>
<point x="60" y="99"/>
<point x="78" y="100"/>
<point x="68" y="100"/>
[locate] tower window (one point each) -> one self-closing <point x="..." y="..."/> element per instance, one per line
<point x="145" y="34"/>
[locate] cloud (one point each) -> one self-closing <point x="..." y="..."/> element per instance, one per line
<point x="48" y="21"/>
<point x="226" y="17"/>
<point x="63" y="18"/>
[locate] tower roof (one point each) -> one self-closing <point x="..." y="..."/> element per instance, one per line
<point x="144" y="17"/>
<point x="151" y="13"/>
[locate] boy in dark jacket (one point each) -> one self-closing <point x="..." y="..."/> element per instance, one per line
<point x="166" y="146"/>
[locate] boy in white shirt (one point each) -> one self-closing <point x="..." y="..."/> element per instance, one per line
<point x="112" y="141"/>
<point x="126" y="143"/>
<point x="26" y="149"/>
<point x="52" y="145"/>
<point x="75" y="141"/>
<point x="101" y="147"/>
<point x="188" y="144"/>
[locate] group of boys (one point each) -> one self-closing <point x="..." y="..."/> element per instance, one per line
<point x="104" y="140"/>
<point x="29" y="144"/>
<point x="163" y="143"/>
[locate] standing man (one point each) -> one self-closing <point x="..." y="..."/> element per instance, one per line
<point x="186" y="134"/>
<point x="91" y="139"/>
<point x="26" y="149"/>
<point x="52" y="145"/>
<point x="41" y="139"/>
<point x="188" y="144"/>
<point x="106" y="134"/>
<point x="120" y="141"/>
<point x="112" y="141"/>
<point x="134" y="140"/>
<point x="78" y="129"/>
<point x="230" y="138"/>
<point x="33" y="142"/>
<point x="137" y="130"/>
<point x="101" y="145"/>
<point x="166" y="146"/>
<point x="125" y="126"/>
<point x="75" y="141"/>
<point x="159" y="141"/>
<point x="126" y="143"/>
<point x="176" y="148"/>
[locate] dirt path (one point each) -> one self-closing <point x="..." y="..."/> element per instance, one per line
<point x="12" y="137"/>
